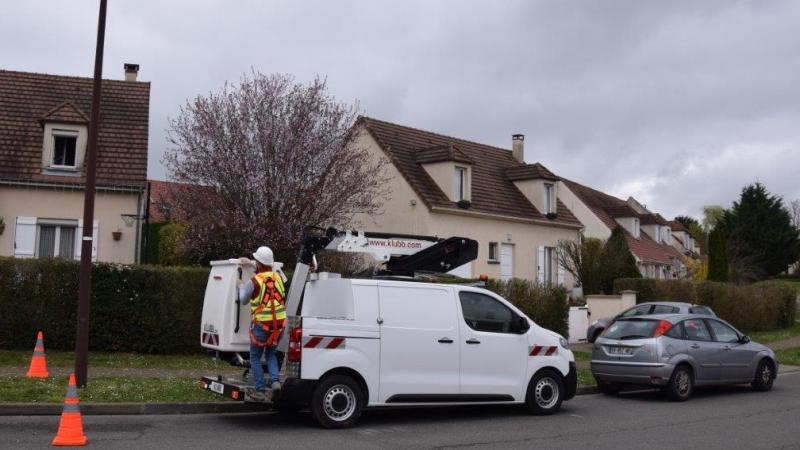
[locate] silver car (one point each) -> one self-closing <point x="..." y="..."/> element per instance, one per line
<point x="677" y="352"/>
<point x="643" y="309"/>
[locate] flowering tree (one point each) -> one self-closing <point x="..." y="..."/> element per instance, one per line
<point x="268" y="157"/>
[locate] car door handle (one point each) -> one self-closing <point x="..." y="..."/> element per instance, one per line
<point x="445" y="340"/>
<point x="695" y="346"/>
<point x="727" y="347"/>
<point x="473" y="341"/>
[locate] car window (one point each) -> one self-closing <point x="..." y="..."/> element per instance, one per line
<point x="722" y="332"/>
<point x="631" y="329"/>
<point x="637" y="311"/>
<point x="664" y="309"/>
<point x="701" y="310"/>
<point x="484" y="313"/>
<point x="696" y="330"/>
<point x="677" y="331"/>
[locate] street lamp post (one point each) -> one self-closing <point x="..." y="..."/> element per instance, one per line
<point x="85" y="285"/>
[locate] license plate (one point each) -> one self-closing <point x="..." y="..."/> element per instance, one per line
<point x="620" y="350"/>
<point x="216" y="387"/>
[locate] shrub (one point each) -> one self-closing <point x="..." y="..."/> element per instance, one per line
<point x="546" y="305"/>
<point x="143" y="309"/>
<point x="767" y="305"/>
<point x="649" y="289"/>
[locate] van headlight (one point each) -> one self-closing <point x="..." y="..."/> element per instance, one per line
<point x="563" y="342"/>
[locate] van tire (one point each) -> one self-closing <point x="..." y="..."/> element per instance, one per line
<point x="545" y="393"/>
<point x="337" y="402"/>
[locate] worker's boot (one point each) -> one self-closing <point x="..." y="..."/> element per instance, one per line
<point x="276" y="386"/>
<point x="256" y="395"/>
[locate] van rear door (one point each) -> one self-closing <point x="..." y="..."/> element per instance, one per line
<point x="419" y="342"/>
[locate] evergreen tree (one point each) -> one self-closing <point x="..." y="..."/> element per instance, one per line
<point x="718" y="254"/>
<point x="762" y="241"/>
<point x="617" y="261"/>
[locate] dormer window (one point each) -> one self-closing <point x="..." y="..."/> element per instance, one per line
<point x="636" y="230"/>
<point x="460" y="183"/>
<point x="64" y="146"/>
<point x="549" y="198"/>
<point x="658" y="235"/>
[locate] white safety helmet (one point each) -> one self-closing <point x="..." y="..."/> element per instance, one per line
<point x="264" y="256"/>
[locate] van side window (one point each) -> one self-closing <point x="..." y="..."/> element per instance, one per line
<point x="483" y="313"/>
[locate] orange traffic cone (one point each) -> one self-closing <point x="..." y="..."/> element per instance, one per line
<point x="38" y="368"/>
<point x="70" y="430"/>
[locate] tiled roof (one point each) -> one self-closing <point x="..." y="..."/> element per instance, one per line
<point x="652" y="219"/>
<point x="606" y="207"/>
<point x="27" y="100"/>
<point x="439" y="153"/>
<point x="677" y="226"/>
<point x="491" y="192"/>
<point x="530" y="172"/>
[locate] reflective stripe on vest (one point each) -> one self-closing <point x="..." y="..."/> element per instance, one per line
<point x="260" y="306"/>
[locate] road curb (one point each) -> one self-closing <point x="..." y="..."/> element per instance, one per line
<point x="101" y="409"/>
<point x="107" y="409"/>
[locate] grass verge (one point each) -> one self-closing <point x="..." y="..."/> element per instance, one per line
<point x="105" y="390"/>
<point x="765" y="337"/>
<point x="585" y="377"/>
<point x="789" y="356"/>
<point x="582" y="356"/>
<point x="60" y="358"/>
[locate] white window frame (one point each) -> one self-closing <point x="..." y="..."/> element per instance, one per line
<point x="637" y="229"/>
<point x="494" y="256"/>
<point x="549" y="198"/>
<point x="549" y="265"/>
<point x="459" y="183"/>
<point x="58" y="224"/>
<point x="658" y="234"/>
<point x="51" y="130"/>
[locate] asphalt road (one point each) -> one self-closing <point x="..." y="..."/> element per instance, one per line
<point x="725" y="418"/>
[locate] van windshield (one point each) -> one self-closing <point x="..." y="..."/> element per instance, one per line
<point x="631" y="329"/>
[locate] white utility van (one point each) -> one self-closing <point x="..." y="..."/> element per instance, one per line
<point x="360" y="343"/>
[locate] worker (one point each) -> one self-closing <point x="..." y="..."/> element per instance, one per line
<point x="265" y="295"/>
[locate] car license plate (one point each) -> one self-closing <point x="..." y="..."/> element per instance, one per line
<point x="620" y="350"/>
<point x="216" y="387"/>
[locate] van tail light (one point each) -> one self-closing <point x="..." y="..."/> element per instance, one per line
<point x="295" y="345"/>
<point x="663" y="327"/>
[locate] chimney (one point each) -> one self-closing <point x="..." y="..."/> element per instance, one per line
<point x="518" y="147"/>
<point x="131" y="70"/>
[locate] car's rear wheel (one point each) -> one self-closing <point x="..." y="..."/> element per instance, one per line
<point x="545" y="393"/>
<point x="681" y="384"/>
<point x="337" y="402"/>
<point x="765" y="375"/>
<point x="608" y="388"/>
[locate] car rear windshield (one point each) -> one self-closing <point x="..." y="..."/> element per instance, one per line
<point x="631" y="329"/>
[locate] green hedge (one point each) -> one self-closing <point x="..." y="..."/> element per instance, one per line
<point x="143" y="309"/>
<point x="546" y="305"/>
<point x="767" y="305"/>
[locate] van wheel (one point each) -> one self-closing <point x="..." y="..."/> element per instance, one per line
<point x="337" y="402"/>
<point x="764" y="376"/>
<point x="681" y="384"/>
<point x="545" y="393"/>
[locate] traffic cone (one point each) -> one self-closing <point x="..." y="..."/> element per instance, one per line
<point x="70" y="430"/>
<point x="38" y="368"/>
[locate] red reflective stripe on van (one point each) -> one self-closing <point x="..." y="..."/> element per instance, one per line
<point x="313" y="342"/>
<point x="335" y="342"/>
<point x="550" y="351"/>
<point x="536" y="349"/>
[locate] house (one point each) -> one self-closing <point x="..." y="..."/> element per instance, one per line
<point x="445" y="186"/>
<point x="44" y="125"/>
<point x="648" y="235"/>
<point x="683" y="241"/>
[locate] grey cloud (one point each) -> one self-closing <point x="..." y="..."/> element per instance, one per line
<point x="679" y="103"/>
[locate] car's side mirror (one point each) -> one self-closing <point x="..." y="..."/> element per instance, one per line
<point x="744" y="339"/>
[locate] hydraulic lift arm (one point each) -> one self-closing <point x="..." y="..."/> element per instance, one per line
<point x="403" y="255"/>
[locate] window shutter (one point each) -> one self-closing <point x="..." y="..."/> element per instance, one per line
<point x="541" y="265"/>
<point x="25" y="237"/>
<point x="79" y="239"/>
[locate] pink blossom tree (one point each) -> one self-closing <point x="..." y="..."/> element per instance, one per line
<point x="267" y="157"/>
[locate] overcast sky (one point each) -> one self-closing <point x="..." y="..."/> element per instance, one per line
<point x="678" y="103"/>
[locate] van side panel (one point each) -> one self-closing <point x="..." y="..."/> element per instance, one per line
<point x="341" y="342"/>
